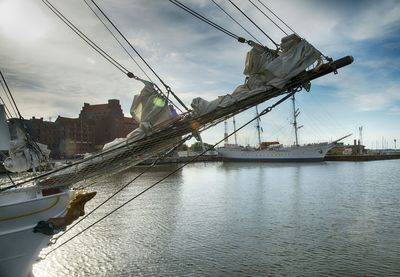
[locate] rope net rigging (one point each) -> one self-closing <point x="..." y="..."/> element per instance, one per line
<point x="265" y="111"/>
<point x="270" y="73"/>
<point x="165" y="136"/>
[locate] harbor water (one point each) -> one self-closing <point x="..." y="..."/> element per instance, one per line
<point x="241" y="219"/>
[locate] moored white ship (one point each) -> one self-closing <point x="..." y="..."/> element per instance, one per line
<point x="306" y="153"/>
<point x="275" y="152"/>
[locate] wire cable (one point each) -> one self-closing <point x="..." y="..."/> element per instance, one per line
<point x="109" y="30"/>
<point x="10" y="96"/>
<point x="32" y="144"/>
<point x="92" y="44"/>
<point x="87" y="40"/>
<point x="231" y="17"/>
<point x="279" y="27"/>
<point x="155" y="85"/>
<point x="182" y="141"/>
<point x="277" y="16"/>
<point x="206" y="20"/>
<point x="276" y="44"/>
<point x="322" y="54"/>
<point x="8" y="113"/>
<point x="140" y="56"/>
<point x="265" y="111"/>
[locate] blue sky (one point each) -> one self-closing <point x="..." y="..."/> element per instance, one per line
<point x="52" y="72"/>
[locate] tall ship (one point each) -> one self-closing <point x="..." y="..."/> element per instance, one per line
<point x="39" y="203"/>
<point x="274" y="151"/>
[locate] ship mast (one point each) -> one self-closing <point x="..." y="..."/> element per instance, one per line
<point x="258" y="127"/>
<point x="296" y="113"/>
<point x="226" y="133"/>
<point x="234" y="129"/>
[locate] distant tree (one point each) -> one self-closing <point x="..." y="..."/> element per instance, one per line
<point x="209" y="146"/>
<point x="183" y="147"/>
<point x="196" y="147"/>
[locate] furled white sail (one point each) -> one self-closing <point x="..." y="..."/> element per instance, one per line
<point x="149" y="109"/>
<point x="152" y="112"/>
<point x="264" y="69"/>
<point x="24" y="156"/>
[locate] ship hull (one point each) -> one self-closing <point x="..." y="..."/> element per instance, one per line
<point x="19" y="213"/>
<point x="306" y="153"/>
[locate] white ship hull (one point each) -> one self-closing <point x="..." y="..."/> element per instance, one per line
<point x="306" y="153"/>
<point x="20" y="211"/>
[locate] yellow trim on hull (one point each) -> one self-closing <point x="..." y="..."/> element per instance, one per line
<point x="55" y="202"/>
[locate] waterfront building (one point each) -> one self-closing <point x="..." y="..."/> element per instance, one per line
<point x="68" y="137"/>
<point x="341" y="149"/>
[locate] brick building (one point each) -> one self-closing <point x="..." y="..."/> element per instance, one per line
<point x="342" y="149"/>
<point x="45" y="132"/>
<point x="95" y="126"/>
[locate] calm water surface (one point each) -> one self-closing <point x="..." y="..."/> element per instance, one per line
<point x="243" y="219"/>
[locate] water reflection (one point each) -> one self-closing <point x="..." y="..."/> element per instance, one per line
<point x="244" y="219"/>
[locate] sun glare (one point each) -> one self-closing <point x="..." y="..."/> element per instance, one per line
<point x="22" y="20"/>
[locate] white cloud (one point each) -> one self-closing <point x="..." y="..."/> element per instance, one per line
<point x="25" y="25"/>
<point x="191" y="57"/>
<point x="395" y="110"/>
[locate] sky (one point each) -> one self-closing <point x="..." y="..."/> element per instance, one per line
<point x="52" y="72"/>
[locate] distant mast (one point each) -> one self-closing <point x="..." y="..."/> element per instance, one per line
<point x="226" y="133"/>
<point x="296" y="113"/>
<point x="258" y="128"/>
<point x="234" y="129"/>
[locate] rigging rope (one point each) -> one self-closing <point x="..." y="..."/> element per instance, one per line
<point x="148" y="77"/>
<point x="182" y="141"/>
<point x="4" y="156"/>
<point x="109" y="30"/>
<point x="204" y="19"/>
<point x="276" y="44"/>
<point x="119" y="157"/>
<point x="265" y="6"/>
<point x="277" y="17"/>
<point x="9" y="95"/>
<point x="265" y="111"/>
<point x="91" y="43"/>
<point x="8" y="113"/>
<point x="279" y="27"/>
<point x="88" y="40"/>
<point x="140" y="56"/>
<point x="222" y="9"/>
<point x="30" y="143"/>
